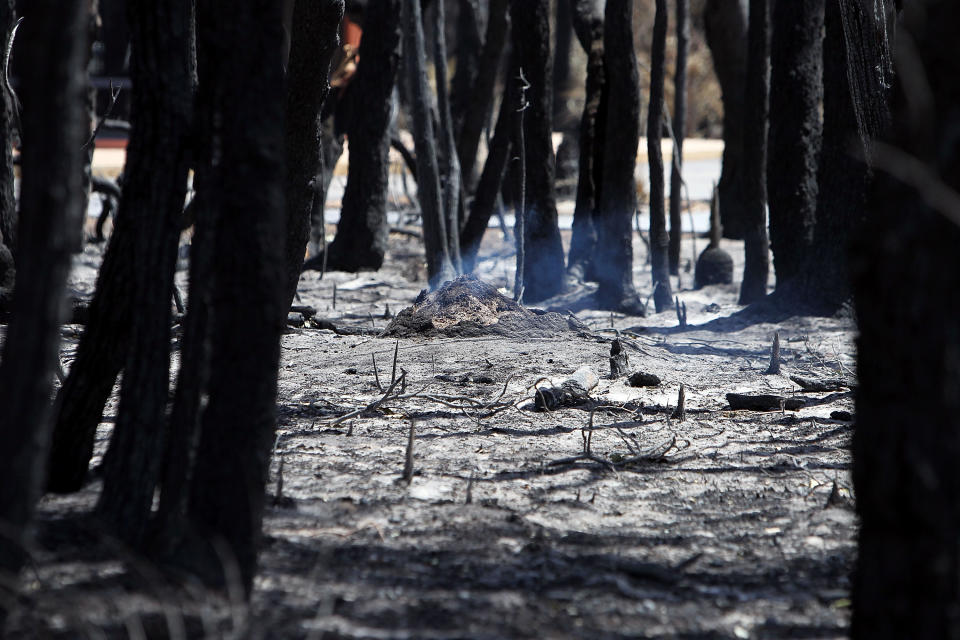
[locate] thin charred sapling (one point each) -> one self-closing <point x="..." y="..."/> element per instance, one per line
<point x="679" y="131"/>
<point x="450" y="181"/>
<point x="659" y="238"/>
<point x="714" y="266"/>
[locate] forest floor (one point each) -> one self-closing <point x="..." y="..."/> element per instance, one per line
<point x="727" y="524"/>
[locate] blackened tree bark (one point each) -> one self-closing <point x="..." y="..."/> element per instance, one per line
<point x="905" y="273"/>
<point x="588" y="25"/>
<point x="796" y="91"/>
<point x="361" y="240"/>
<point x="480" y="100"/>
<point x="155" y="182"/>
<point x="469" y="66"/>
<point x="659" y="238"/>
<point x="756" y="108"/>
<point x="679" y="131"/>
<point x="613" y="261"/>
<point x="726" y="31"/>
<point x="52" y="203"/>
<point x="313" y="43"/>
<point x="449" y="163"/>
<point x="543" y="271"/>
<point x="439" y="267"/>
<point x="563" y="117"/>
<point x="8" y="204"/>
<point x="246" y="194"/>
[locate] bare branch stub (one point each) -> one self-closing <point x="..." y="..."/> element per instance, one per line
<point x="774" y="355"/>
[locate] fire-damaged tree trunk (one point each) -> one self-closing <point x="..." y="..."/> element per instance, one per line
<point x="469" y="50"/>
<point x="439" y="267"/>
<point x="796" y="91"/>
<point x="449" y="164"/>
<point x="756" y="106"/>
<point x="245" y="194"/>
<point x="155" y="182"/>
<point x="659" y="238"/>
<point x="613" y="261"/>
<point x="313" y="43"/>
<point x="543" y="270"/>
<point x="726" y="30"/>
<point x="361" y="240"/>
<point x="906" y="273"/>
<point x="8" y="204"/>
<point x="679" y="131"/>
<point x="51" y="203"/>
<point x="588" y="25"/>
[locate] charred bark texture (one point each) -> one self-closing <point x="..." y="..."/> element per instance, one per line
<point x="543" y="272"/>
<point x="613" y="261"/>
<point x="679" y="131"/>
<point x="361" y="240"/>
<point x="246" y="198"/>
<point x="796" y="91"/>
<point x="52" y="203"/>
<point x="468" y="48"/>
<point x="906" y="441"/>
<point x="447" y="156"/>
<point x="588" y="25"/>
<point x="726" y="31"/>
<point x="756" y="107"/>
<point x="313" y="42"/>
<point x="8" y="204"/>
<point x="659" y="238"/>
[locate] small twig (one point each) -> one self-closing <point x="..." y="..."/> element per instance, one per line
<point x="373" y="405"/>
<point x="680" y="413"/>
<point x="376" y="373"/>
<point x="681" y="312"/>
<point x="408" y="460"/>
<point x="393" y="372"/>
<point x="469" y="499"/>
<point x="774" y="355"/>
<point x="114" y="94"/>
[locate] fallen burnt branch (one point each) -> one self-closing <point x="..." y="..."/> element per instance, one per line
<point x="820" y="385"/>
<point x="763" y="402"/>
<point x="572" y="392"/>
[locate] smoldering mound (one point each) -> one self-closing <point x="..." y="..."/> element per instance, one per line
<point x="468" y="307"/>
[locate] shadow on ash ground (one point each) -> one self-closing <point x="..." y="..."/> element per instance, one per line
<point x="730" y="533"/>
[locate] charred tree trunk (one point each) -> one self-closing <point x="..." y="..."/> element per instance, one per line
<point x="313" y="43"/>
<point x="543" y="272"/>
<point x="756" y="107"/>
<point x="469" y="62"/>
<point x="246" y="199"/>
<point x="588" y="25"/>
<point x="439" y="267"/>
<point x="480" y="100"/>
<point x="52" y="203"/>
<point x="563" y="116"/>
<point x="449" y="164"/>
<point x="361" y="240"/>
<point x="155" y="183"/>
<point x="679" y="131"/>
<point x="906" y="441"/>
<point x="659" y="238"/>
<point x="796" y="91"/>
<point x="726" y="31"/>
<point x="613" y="261"/>
<point x="8" y="204"/>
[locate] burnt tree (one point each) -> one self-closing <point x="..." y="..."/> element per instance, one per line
<point x="312" y="45"/>
<point x="52" y="204"/>
<point x="613" y="261"/>
<point x="155" y="183"/>
<point x="905" y="276"/>
<point x="8" y="204"/>
<point x="451" y="184"/>
<point x="588" y="26"/>
<point x="725" y="23"/>
<point x="679" y="131"/>
<point x="796" y="91"/>
<point x="543" y="271"/>
<point x="470" y="63"/>
<point x="659" y="238"/>
<point x="361" y="240"/>
<point x="756" y="106"/>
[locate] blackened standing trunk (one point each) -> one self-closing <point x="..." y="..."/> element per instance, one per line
<point x="906" y="273"/>
<point x="756" y="106"/>
<point x="439" y="267"/>
<point x="246" y="194"/>
<point x="154" y="187"/>
<point x="679" y="131"/>
<point x="659" y="238"/>
<point x="564" y="118"/>
<point x="613" y="260"/>
<point x="8" y="204"/>
<point x="490" y="180"/>
<point x="449" y="164"/>
<point x="588" y="25"/>
<point x="313" y="43"/>
<point x="543" y="272"/>
<point x="482" y="92"/>
<point x="468" y="53"/>
<point x="796" y="91"/>
<point x="52" y="203"/>
<point x="726" y="31"/>
<point x="362" y="234"/>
